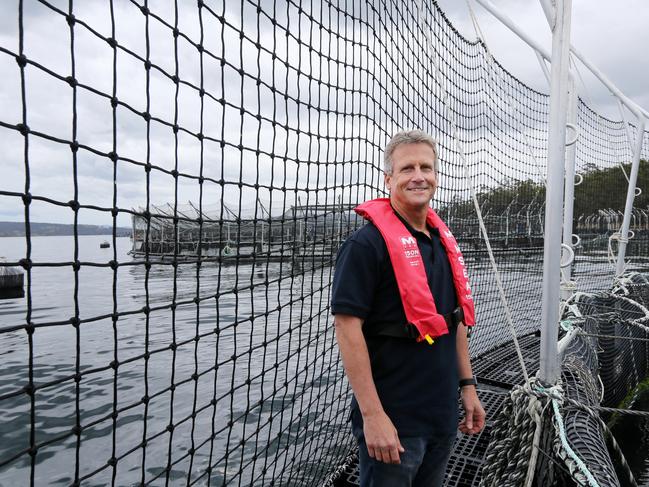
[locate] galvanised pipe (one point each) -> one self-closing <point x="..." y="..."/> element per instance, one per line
<point x="549" y="366"/>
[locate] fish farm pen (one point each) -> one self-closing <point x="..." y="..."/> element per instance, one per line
<point x="203" y="352"/>
<point x="315" y="230"/>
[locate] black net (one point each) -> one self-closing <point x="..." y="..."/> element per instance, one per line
<point x="583" y="431"/>
<point x="230" y="140"/>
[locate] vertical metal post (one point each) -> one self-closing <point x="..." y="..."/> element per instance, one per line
<point x="569" y="191"/>
<point x="132" y="233"/>
<point x="549" y="366"/>
<point x="630" y="195"/>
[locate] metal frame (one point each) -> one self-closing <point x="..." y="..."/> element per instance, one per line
<point x="630" y="196"/>
<point x="640" y="113"/>
<point x="558" y="158"/>
<point x="549" y="365"/>
<point x="569" y="188"/>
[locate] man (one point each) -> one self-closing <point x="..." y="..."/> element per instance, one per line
<point x="400" y="299"/>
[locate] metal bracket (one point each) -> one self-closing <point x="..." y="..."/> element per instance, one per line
<point x="571" y="255"/>
<point x="575" y="136"/>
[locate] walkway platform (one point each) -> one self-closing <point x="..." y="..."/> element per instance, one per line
<point x="497" y="372"/>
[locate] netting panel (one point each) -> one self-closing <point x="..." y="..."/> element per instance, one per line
<point x="234" y="138"/>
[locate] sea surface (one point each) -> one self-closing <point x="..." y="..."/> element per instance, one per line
<point x="271" y="369"/>
<point x="268" y="370"/>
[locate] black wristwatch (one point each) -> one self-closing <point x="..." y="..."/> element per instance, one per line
<point x="468" y="382"/>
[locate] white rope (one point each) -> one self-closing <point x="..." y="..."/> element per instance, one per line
<point x="460" y="148"/>
<point x="612" y="258"/>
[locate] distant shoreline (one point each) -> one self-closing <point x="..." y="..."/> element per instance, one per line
<point x="17" y="229"/>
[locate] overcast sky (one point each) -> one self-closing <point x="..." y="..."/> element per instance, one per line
<point x="613" y="38"/>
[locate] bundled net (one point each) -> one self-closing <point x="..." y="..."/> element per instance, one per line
<point x="231" y="141"/>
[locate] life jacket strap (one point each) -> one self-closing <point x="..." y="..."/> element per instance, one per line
<point x="399" y="330"/>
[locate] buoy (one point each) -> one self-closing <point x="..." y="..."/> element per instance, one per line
<point x="11" y="282"/>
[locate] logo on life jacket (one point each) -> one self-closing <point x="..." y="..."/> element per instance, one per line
<point x="460" y="260"/>
<point x="410" y="249"/>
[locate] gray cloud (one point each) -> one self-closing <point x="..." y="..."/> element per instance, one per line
<point x="612" y="38"/>
<point x="47" y="41"/>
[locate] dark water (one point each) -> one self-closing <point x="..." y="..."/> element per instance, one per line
<point x="632" y="433"/>
<point x="246" y="386"/>
<point x="238" y="382"/>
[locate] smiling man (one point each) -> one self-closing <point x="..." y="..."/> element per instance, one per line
<point x="402" y="301"/>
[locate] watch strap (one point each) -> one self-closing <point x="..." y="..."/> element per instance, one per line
<point x="468" y="382"/>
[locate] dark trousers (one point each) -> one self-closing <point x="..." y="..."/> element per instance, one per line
<point x="423" y="463"/>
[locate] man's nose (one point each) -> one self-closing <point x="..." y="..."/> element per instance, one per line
<point x="418" y="174"/>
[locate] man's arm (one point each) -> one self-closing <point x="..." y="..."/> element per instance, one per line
<point x="474" y="415"/>
<point x="381" y="436"/>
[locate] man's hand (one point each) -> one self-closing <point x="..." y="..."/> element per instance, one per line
<point x="474" y="415"/>
<point x="381" y="438"/>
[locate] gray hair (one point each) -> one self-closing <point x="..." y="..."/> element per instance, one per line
<point x="407" y="137"/>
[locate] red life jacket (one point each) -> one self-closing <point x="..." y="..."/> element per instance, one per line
<point x="409" y="270"/>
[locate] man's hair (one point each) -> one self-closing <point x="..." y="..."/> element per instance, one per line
<point x="407" y="137"/>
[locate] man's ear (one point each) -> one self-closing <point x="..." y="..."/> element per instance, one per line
<point x="387" y="178"/>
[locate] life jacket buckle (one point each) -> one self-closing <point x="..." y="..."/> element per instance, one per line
<point x="458" y="315"/>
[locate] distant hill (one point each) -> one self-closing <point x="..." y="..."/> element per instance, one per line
<point x="17" y="229"/>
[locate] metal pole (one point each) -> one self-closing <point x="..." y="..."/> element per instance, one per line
<point x="515" y="29"/>
<point x="630" y="195"/>
<point x="634" y="107"/>
<point x="549" y="366"/>
<point x="569" y="200"/>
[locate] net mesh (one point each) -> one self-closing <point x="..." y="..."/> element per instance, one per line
<point x="233" y="138"/>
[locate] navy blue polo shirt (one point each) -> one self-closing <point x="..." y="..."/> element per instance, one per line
<point x="416" y="382"/>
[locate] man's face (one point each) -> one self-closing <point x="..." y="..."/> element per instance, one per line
<point x="413" y="181"/>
